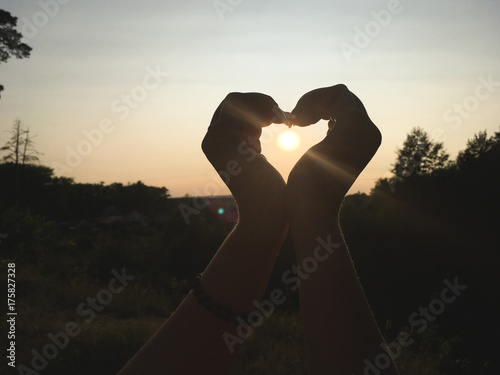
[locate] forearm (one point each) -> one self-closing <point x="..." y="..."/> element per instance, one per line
<point x="239" y="272"/>
<point x="340" y="330"/>
<point x="190" y="342"/>
<point x="339" y="327"/>
<point x="193" y="340"/>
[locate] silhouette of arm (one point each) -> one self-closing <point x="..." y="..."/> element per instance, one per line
<point x="340" y="330"/>
<point x="192" y="340"/>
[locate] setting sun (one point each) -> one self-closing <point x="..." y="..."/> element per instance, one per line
<point x="288" y="140"/>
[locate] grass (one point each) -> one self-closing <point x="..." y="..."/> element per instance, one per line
<point x="105" y="343"/>
<point x="276" y="347"/>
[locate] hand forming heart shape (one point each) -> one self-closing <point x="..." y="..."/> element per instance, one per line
<point x="335" y="314"/>
<point x="243" y="115"/>
<point x="232" y="140"/>
<point x="253" y="108"/>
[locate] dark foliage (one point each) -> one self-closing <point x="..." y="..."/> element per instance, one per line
<point x="407" y="237"/>
<point x="10" y="39"/>
<point x="60" y="198"/>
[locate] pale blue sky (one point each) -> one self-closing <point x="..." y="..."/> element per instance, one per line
<point x="176" y="60"/>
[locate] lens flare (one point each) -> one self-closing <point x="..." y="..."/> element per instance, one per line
<point x="288" y="140"/>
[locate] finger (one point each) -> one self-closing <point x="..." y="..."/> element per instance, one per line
<point x="240" y="110"/>
<point x="359" y="104"/>
<point x="280" y="117"/>
<point x="267" y="110"/>
<point x="312" y="107"/>
<point x="217" y="113"/>
<point x="343" y="100"/>
<point x="289" y="119"/>
<point x="241" y="116"/>
<point x="320" y="104"/>
<point x="304" y="115"/>
<point x="250" y="108"/>
<point x="251" y="136"/>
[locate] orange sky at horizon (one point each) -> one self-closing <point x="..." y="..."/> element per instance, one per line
<point x="130" y="98"/>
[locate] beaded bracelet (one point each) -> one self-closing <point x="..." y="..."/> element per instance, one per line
<point x="220" y="312"/>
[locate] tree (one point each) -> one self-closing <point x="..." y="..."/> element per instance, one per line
<point x="10" y="39"/>
<point x="419" y="156"/>
<point x="13" y="145"/>
<point x="29" y="154"/>
<point x="477" y="146"/>
<point x="20" y="147"/>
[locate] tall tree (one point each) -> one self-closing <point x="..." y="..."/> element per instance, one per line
<point x="477" y="146"/>
<point x="20" y="147"/>
<point x="10" y="39"/>
<point x="14" y="144"/>
<point x="419" y="155"/>
<point x="29" y="154"/>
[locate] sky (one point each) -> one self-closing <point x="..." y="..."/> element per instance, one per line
<point x="124" y="91"/>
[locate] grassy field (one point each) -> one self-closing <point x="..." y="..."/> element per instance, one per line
<point x="106" y="340"/>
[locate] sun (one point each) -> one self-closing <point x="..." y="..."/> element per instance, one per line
<point x="288" y="140"/>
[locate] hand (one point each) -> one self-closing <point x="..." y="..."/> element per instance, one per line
<point x="335" y="313"/>
<point x="240" y="118"/>
<point x="239" y="272"/>
<point x="324" y="103"/>
<point x="327" y="170"/>
<point x="232" y="146"/>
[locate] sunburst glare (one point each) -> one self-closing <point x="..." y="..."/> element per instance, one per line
<point x="288" y="140"/>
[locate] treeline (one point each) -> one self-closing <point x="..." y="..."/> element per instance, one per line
<point x="61" y="198"/>
<point x="424" y="226"/>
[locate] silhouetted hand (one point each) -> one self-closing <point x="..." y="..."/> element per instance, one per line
<point x="239" y="272"/>
<point x="240" y="118"/>
<point x="233" y="147"/>
<point x="327" y="170"/>
<point x="335" y="313"/>
<point x="193" y="340"/>
<point x="324" y="103"/>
